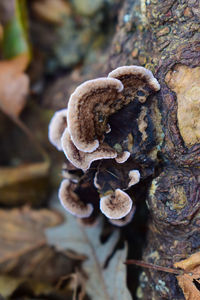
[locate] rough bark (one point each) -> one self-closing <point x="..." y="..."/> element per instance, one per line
<point x="163" y="36"/>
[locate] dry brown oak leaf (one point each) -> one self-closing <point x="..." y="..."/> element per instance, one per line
<point x="14" y="85"/>
<point x="190" y="283"/>
<point x="22" y="230"/>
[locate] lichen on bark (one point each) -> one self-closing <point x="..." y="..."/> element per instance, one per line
<point x="164" y="37"/>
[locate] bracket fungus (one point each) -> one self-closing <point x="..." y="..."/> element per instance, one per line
<point x="124" y="221"/>
<point x="99" y="125"/>
<point x="120" y="159"/>
<point x="71" y="202"/>
<point x="134" y="176"/>
<point x="88" y="109"/>
<point x="137" y="81"/>
<point x="80" y="159"/>
<point x="116" y="205"/>
<point x="57" y="126"/>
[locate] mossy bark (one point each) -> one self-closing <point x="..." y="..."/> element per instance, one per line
<point x="164" y="37"/>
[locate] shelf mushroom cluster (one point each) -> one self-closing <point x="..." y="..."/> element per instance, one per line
<point x="80" y="130"/>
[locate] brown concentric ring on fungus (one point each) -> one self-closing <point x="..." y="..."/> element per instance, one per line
<point x="138" y="82"/>
<point x="71" y="202"/>
<point x="134" y="176"/>
<point x="121" y="158"/>
<point x="88" y="110"/>
<point x="124" y="221"/>
<point x="83" y="160"/>
<point x="116" y="205"/>
<point x="57" y="126"/>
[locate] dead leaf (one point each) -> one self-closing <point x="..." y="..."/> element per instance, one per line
<point x="102" y="283"/>
<point x="190" y="284"/>
<point x="22" y="230"/>
<point x="77" y="284"/>
<point x="22" y="173"/>
<point x="8" y="285"/>
<point x="14" y="85"/>
<point x="24" y="252"/>
<point x="24" y="184"/>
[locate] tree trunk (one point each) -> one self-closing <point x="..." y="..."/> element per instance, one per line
<point x="163" y="36"/>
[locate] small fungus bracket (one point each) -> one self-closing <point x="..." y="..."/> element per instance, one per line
<point x="57" y="126"/>
<point x="116" y="205"/>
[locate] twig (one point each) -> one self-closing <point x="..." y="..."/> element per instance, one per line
<point x="144" y="264"/>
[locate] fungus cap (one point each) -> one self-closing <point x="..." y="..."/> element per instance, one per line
<point x="124" y="221"/>
<point x="134" y="176"/>
<point x="57" y="126"/>
<point x="137" y="72"/>
<point x="120" y="159"/>
<point x="83" y="160"/>
<point x="116" y="205"/>
<point x="88" y="109"/>
<point x="71" y="202"/>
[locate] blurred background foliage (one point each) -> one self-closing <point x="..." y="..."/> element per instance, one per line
<point x="47" y="48"/>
